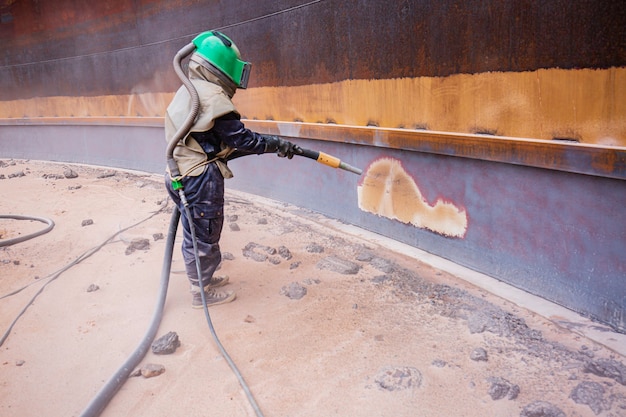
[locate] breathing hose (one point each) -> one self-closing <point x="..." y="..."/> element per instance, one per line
<point x="100" y="401"/>
<point x="195" y="107"/>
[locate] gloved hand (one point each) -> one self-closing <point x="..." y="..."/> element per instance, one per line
<point x="287" y="149"/>
<point x="283" y="148"/>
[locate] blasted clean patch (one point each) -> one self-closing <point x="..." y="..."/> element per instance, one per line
<point x="389" y="191"/>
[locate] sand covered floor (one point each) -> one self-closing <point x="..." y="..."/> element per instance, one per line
<point x="325" y="323"/>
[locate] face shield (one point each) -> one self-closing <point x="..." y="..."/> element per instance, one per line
<point x="245" y="75"/>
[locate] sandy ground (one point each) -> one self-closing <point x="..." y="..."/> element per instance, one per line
<point x="391" y="337"/>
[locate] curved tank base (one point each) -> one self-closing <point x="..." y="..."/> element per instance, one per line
<point x="556" y="234"/>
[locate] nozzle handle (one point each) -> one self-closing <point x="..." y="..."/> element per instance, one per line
<point x="326" y="159"/>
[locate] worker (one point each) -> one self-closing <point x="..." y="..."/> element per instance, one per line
<point x="217" y="136"/>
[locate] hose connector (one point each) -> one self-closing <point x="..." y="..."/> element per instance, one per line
<point x="181" y="194"/>
<point x="177" y="183"/>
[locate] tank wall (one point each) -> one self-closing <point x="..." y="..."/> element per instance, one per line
<point x="557" y="234"/>
<point x="139" y="148"/>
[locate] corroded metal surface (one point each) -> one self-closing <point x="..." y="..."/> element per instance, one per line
<point x="507" y="68"/>
<point x="326" y="41"/>
<point x="576" y="158"/>
<point x="569" y="157"/>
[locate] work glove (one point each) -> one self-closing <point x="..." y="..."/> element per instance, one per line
<point x="287" y="149"/>
<point x="283" y="148"/>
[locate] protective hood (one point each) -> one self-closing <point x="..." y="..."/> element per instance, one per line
<point x="215" y="101"/>
<point x="201" y="69"/>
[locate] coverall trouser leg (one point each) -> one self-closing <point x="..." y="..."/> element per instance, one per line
<point x="205" y="197"/>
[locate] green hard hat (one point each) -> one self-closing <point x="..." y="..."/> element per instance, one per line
<point x="223" y="54"/>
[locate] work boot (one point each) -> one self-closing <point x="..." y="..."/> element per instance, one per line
<point x="211" y="296"/>
<point x="215" y="282"/>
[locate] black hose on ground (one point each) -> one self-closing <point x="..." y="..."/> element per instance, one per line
<point x="13" y="241"/>
<point x="100" y="401"/>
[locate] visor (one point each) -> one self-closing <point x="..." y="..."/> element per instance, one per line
<point x="245" y="75"/>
